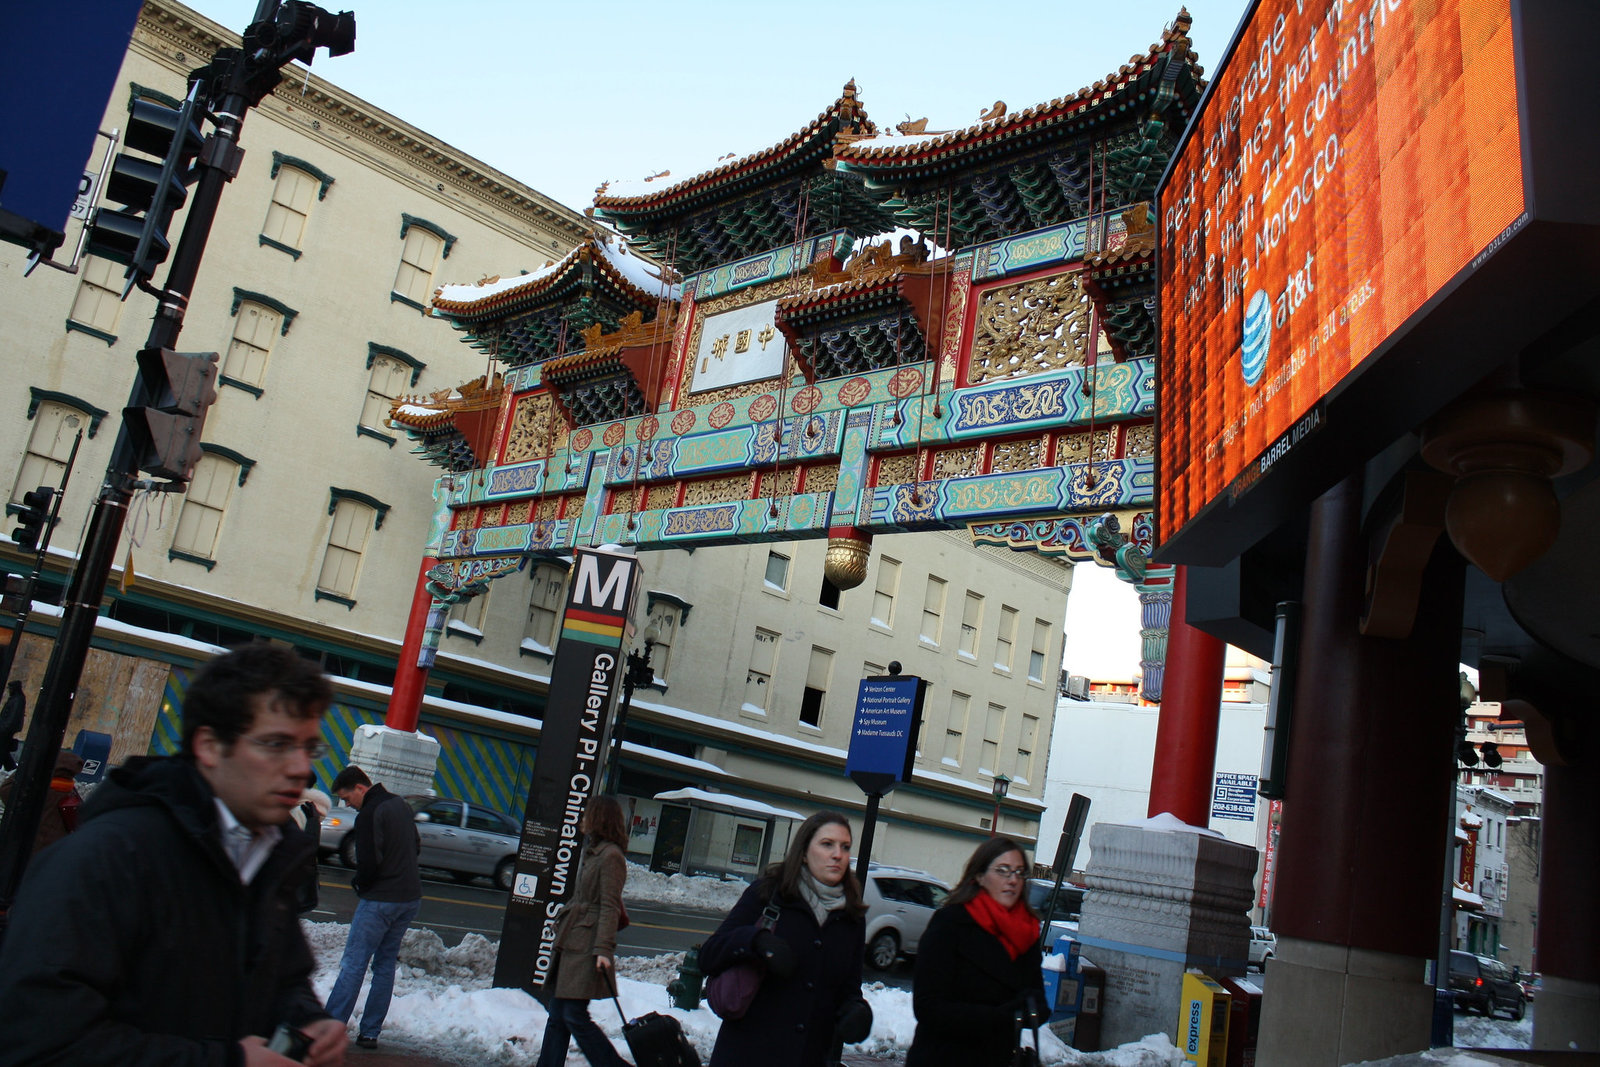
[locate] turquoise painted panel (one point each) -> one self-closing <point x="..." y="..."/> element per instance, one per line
<point x="766" y="267"/>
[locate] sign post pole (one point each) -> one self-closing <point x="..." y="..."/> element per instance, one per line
<point x="883" y="744"/>
<point x="584" y="679"/>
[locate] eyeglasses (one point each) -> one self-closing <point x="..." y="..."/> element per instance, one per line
<point x="279" y="748"/>
<point x="1005" y="874"/>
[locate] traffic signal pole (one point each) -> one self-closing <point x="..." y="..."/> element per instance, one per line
<point x="239" y="80"/>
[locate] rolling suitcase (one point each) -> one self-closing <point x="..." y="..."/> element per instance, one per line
<point x="654" y="1039"/>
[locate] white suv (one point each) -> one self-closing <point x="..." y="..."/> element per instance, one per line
<point x="900" y="901"/>
<point x="1263" y="946"/>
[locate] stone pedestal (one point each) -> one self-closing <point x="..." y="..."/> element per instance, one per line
<point x="1567" y="1015"/>
<point x="1163" y="897"/>
<point x="401" y="761"/>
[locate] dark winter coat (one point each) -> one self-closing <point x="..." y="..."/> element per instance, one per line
<point x="966" y="992"/>
<point x="587" y="926"/>
<point x="791" y="1021"/>
<point x="387" y="848"/>
<point x="133" y="941"/>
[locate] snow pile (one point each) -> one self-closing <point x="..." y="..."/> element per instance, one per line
<point x="652" y="887"/>
<point x="444" y="1006"/>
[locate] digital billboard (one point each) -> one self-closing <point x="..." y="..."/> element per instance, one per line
<point x="1350" y="160"/>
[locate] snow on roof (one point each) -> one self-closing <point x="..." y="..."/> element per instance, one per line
<point x="1463" y="896"/>
<point x="638" y="273"/>
<point x="1470" y="820"/>
<point x="728" y="800"/>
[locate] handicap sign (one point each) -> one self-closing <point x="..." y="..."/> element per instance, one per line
<point x="526" y="884"/>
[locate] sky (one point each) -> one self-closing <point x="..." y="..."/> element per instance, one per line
<point x="564" y="96"/>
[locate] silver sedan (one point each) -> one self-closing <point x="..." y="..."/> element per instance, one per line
<point x="465" y="839"/>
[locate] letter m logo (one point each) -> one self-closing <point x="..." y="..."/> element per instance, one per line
<point x="602" y="582"/>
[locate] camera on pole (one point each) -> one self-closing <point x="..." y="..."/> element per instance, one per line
<point x="33" y="516"/>
<point x="165" y="431"/>
<point x="151" y="181"/>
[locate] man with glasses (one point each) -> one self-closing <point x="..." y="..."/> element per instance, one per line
<point x="389" y="889"/>
<point x="164" y="929"/>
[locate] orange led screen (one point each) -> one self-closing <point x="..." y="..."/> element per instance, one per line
<point x="1351" y="160"/>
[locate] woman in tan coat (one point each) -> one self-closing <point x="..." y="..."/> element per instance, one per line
<point x="586" y="940"/>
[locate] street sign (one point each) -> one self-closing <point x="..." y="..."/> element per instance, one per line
<point x="584" y="679"/>
<point x="883" y="743"/>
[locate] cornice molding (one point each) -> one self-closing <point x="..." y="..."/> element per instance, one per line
<point x="167" y="29"/>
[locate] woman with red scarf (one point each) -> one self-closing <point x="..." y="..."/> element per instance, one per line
<point x="978" y="966"/>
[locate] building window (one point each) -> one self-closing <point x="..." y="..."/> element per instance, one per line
<point x="777" y="576"/>
<point x="872" y="670"/>
<point x="1005" y="638"/>
<point x="955" y="728"/>
<point x="386" y="384"/>
<point x="971" y="620"/>
<point x="758" y="679"/>
<point x="661" y="626"/>
<point x="544" y="607"/>
<point x="204" y="504"/>
<point x="422" y="246"/>
<point x="814" y="698"/>
<point x="828" y="597"/>
<point x="256" y="328"/>
<point x="99" y="300"/>
<point x="1041" y="645"/>
<point x="467" y="616"/>
<point x="55" y="427"/>
<point x="353" y="522"/>
<point x="883" y="595"/>
<point x="933" y="611"/>
<point x="285" y="226"/>
<point x="994" y="724"/>
<point x="1026" y="740"/>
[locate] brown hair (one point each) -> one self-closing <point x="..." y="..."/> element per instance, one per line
<point x="603" y="819"/>
<point x="219" y="695"/>
<point x="783" y="877"/>
<point x="978" y="863"/>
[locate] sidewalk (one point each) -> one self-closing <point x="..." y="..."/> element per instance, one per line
<point x="394" y="1057"/>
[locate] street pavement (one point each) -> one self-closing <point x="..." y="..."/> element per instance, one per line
<point x="394" y="1057"/>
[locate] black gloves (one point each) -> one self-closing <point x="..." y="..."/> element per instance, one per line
<point x="1031" y="1009"/>
<point x="855" y="1022"/>
<point x="774" y="951"/>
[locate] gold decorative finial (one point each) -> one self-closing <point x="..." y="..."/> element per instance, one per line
<point x="998" y="111"/>
<point x="912" y="126"/>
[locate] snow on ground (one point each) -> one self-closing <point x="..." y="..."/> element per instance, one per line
<point x="444" y="1005"/>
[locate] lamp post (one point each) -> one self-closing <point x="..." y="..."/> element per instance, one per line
<point x="1001" y="785"/>
<point x="638" y="673"/>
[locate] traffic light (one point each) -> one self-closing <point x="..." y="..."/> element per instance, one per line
<point x="150" y="181"/>
<point x="33" y="516"/>
<point x="165" y="432"/>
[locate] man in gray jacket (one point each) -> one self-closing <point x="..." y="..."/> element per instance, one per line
<point x="389" y="891"/>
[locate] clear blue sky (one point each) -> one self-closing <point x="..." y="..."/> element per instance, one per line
<point x="563" y="96"/>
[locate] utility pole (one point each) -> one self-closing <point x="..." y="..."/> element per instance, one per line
<point x="236" y="80"/>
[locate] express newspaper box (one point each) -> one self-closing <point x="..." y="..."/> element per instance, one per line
<point x="1203" y="1021"/>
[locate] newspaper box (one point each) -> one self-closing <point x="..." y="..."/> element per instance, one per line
<point x="1203" y="1021"/>
<point x="1244" y="1021"/>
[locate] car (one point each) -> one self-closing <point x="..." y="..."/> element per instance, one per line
<point x="1530" y="983"/>
<point x="468" y="840"/>
<point x="1484" y="984"/>
<point x="900" y="901"/>
<point x="1263" y="946"/>
<point x="1063" y="917"/>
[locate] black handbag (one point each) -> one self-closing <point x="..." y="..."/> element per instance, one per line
<point x="1024" y="1055"/>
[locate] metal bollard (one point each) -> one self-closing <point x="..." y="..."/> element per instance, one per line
<point x="685" y="989"/>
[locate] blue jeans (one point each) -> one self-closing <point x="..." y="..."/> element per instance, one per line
<point x="376" y="930"/>
<point x="570" y="1018"/>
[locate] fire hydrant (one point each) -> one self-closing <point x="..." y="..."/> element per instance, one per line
<point x="685" y="989"/>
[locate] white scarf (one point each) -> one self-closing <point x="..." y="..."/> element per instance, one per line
<point x="821" y="898"/>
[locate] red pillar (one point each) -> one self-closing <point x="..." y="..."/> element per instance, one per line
<point x="410" y="680"/>
<point x="1191" y="702"/>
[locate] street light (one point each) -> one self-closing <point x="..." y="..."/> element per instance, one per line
<point x="1001" y="784"/>
<point x="639" y="673"/>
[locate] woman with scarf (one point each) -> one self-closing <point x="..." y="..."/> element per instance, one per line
<point x="978" y="966"/>
<point x="809" y="1001"/>
<point x="586" y="940"/>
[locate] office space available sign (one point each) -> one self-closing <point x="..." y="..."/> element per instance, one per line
<point x="883" y="742"/>
<point x="569" y="768"/>
<point x="1351" y="161"/>
<point x="1233" y="796"/>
